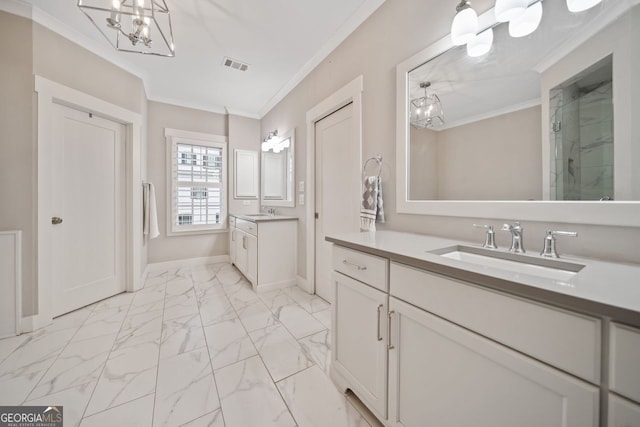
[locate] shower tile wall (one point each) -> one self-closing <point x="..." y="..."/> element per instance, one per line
<point x="596" y="143"/>
<point x="584" y="143"/>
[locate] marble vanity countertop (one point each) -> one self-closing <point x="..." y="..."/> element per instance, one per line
<point x="264" y="217"/>
<point x="600" y="288"/>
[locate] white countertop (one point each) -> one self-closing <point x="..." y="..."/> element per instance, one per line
<point x="264" y="217"/>
<point x="604" y="288"/>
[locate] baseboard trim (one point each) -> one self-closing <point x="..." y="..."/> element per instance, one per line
<point x="304" y="284"/>
<point x="266" y="287"/>
<point x="33" y="322"/>
<point x="188" y="262"/>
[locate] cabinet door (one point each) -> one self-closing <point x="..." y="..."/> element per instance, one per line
<point x="252" y="259"/>
<point x="443" y="375"/>
<point x="241" y="251"/>
<point x="232" y="245"/>
<point x="359" y="346"/>
<point x="623" y="413"/>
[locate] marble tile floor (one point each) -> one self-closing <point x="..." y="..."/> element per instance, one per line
<point x="195" y="347"/>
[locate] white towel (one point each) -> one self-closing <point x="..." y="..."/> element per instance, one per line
<point x="149" y="212"/>
<point x="371" y="208"/>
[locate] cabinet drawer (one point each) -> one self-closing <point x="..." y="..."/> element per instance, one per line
<point x="624" y="368"/>
<point x="567" y="340"/>
<point x="248" y="226"/>
<point x="366" y="268"/>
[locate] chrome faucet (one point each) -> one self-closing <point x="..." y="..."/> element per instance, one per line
<point x="550" y="242"/>
<point x="489" y="240"/>
<point x="271" y="211"/>
<point x="517" y="244"/>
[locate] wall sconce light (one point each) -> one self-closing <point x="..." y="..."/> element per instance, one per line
<point x="465" y="24"/>
<point x="271" y="141"/>
<point x="526" y="23"/>
<point x="581" y="5"/>
<point x="480" y="44"/>
<point x="506" y="10"/>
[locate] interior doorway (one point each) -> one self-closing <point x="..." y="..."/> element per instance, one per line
<point x="336" y="196"/>
<point x="88" y="226"/>
<point x="349" y="96"/>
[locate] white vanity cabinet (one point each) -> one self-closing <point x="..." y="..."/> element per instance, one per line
<point x="232" y="239"/>
<point x="443" y="375"/>
<point x="359" y="341"/>
<point x="422" y="349"/>
<point x="624" y="376"/>
<point x="623" y="413"/>
<point x="265" y="251"/>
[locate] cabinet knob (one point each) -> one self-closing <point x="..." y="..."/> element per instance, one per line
<point x="56" y="220"/>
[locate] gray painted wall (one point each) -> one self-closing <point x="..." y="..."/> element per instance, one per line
<point x="396" y="31"/>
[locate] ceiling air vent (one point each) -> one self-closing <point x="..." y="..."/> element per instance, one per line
<point x="236" y="65"/>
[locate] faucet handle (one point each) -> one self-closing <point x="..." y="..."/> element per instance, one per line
<point x="549" y="249"/>
<point x="489" y="241"/>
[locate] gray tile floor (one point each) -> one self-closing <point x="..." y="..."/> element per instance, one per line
<point x="196" y="346"/>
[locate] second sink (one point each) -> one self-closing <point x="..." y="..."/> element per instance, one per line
<point x="516" y="263"/>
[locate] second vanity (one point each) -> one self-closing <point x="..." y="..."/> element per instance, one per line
<point x="426" y="335"/>
<point x="264" y="248"/>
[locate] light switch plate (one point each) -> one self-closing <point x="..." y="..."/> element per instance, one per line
<point x="301" y="199"/>
<point x="301" y="186"/>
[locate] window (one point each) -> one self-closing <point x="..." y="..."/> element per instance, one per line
<point x="197" y="191"/>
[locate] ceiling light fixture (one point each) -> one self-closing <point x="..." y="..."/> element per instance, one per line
<point x="506" y="10"/>
<point x="426" y="111"/>
<point x="581" y="5"/>
<point x="526" y="23"/>
<point x="465" y="24"/>
<point x="480" y="44"/>
<point x="138" y="26"/>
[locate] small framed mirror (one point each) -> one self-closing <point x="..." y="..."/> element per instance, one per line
<point x="278" y="171"/>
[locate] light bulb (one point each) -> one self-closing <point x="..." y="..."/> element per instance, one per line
<point x="464" y="26"/>
<point x="526" y="23"/>
<point x="506" y="10"/>
<point x="581" y="5"/>
<point x="480" y="44"/>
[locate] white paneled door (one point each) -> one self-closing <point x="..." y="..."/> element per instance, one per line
<point x="88" y="221"/>
<point x="337" y="189"/>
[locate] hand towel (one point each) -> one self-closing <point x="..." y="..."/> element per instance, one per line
<point x="380" y="206"/>
<point x="149" y="212"/>
<point x="369" y="207"/>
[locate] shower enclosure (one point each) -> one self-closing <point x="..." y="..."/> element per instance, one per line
<point x="582" y="135"/>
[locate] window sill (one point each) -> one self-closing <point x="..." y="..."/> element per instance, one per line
<point x="197" y="232"/>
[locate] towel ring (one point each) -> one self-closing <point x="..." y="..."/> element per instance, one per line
<point x="378" y="160"/>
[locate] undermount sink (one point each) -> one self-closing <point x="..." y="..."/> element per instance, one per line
<point x="516" y="263"/>
<point x="258" y="214"/>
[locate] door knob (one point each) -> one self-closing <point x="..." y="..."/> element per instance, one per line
<point x="56" y="220"/>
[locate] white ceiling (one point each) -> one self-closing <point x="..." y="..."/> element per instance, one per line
<point x="281" y="40"/>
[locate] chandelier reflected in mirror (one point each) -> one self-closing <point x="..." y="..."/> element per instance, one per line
<point x="138" y="26"/>
<point x="426" y="111"/>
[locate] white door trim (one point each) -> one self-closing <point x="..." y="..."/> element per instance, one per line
<point x="350" y="93"/>
<point x="50" y="93"/>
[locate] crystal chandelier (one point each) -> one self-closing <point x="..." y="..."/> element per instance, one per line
<point x="139" y="26"/>
<point x="426" y="111"/>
